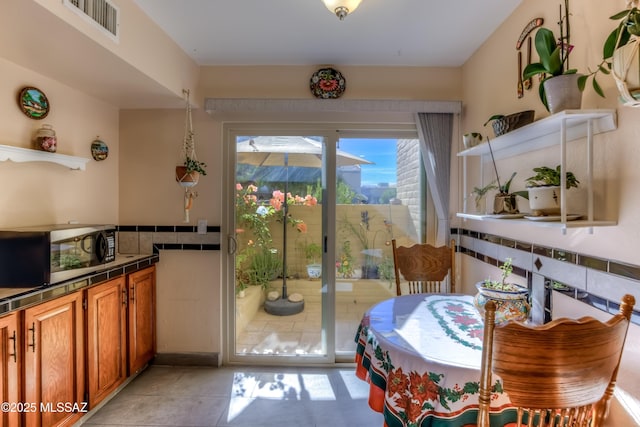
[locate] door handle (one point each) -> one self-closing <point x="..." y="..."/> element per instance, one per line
<point x="15" y="352"/>
<point x="32" y="329"/>
<point x="233" y="245"/>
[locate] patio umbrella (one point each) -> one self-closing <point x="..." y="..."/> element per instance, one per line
<point x="286" y="152"/>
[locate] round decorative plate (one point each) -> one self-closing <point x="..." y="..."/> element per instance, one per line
<point x="33" y="102"/>
<point x="327" y="83"/>
<point x="99" y="150"/>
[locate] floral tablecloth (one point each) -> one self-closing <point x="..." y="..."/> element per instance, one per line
<point x="421" y="355"/>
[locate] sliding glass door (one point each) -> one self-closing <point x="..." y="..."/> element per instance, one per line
<point x="310" y="229"/>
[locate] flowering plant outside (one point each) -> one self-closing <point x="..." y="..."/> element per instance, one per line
<point x="255" y="217"/>
<point x="344" y="264"/>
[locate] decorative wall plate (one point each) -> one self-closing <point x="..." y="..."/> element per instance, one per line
<point x="33" y="102"/>
<point x="327" y="83"/>
<point x="99" y="150"/>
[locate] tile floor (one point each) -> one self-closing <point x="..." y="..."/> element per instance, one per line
<point x="264" y="333"/>
<point x="240" y="397"/>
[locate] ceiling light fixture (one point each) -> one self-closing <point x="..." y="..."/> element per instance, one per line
<point x="341" y="7"/>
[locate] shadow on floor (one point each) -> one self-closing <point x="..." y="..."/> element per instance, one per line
<point x="240" y="396"/>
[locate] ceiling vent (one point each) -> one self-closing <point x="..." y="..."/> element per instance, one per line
<point x="101" y="13"/>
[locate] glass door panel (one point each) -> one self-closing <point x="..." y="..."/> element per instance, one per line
<point x="279" y="300"/>
<point x="375" y="203"/>
<point x="313" y="220"/>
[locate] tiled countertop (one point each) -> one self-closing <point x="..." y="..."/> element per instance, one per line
<point x="12" y="299"/>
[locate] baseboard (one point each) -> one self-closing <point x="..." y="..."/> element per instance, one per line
<point x="187" y="359"/>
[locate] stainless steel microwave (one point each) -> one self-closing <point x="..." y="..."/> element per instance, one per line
<point x="45" y="255"/>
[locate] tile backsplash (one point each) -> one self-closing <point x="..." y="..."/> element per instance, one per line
<point x="598" y="282"/>
<point x="148" y="239"/>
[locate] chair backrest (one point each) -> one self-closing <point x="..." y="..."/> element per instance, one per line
<point x="565" y="369"/>
<point x="424" y="267"/>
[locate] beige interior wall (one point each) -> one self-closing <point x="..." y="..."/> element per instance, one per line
<point x="188" y="302"/>
<point x="141" y="43"/>
<point x="46" y="193"/>
<point x="149" y="193"/>
<point x="489" y="81"/>
<point x="408" y="83"/>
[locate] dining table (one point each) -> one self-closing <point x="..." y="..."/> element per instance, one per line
<point x="421" y="356"/>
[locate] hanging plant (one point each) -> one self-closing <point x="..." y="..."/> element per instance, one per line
<point x="188" y="173"/>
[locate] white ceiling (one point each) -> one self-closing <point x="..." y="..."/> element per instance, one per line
<point x="429" y="33"/>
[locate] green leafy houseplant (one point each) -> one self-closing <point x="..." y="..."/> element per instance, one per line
<point x="366" y="233"/>
<point x="553" y="58"/>
<point x="194" y="165"/>
<point x="624" y="33"/>
<point x="501" y="285"/>
<point x="546" y="176"/>
<point x="542" y="190"/>
<point x="344" y="264"/>
<point x="312" y="252"/>
<point x="480" y="193"/>
<point x="505" y="202"/>
<point x="511" y="300"/>
<point x="264" y="266"/>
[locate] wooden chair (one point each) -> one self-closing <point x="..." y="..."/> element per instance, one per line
<point x="560" y="374"/>
<point x="425" y="267"/>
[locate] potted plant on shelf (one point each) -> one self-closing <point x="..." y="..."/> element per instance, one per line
<point x="543" y="190"/>
<point x="313" y="254"/>
<point x="511" y="299"/>
<point x="471" y="139"/>
<point x="559" y="88"/>
<point x="479" y="194"/>
<point x="505" y="202"/>
<point x="620" y="57"/>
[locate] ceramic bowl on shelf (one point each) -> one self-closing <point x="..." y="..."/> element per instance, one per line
<point x="512" y="122"/>
<point x="471" y="139"/>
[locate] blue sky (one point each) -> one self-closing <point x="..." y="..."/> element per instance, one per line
<point x="380" y="151"/>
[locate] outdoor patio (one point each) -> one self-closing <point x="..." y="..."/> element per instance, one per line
<point x="262" y="333"/>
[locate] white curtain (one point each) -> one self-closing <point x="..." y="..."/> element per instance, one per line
<point x="435" y="133"/>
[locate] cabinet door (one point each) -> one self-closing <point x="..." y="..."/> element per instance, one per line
<point x="9" y="351"/>
<point x="54" y="361"/>
<point x="106" y="338"/>
<point x="142" y="318"/>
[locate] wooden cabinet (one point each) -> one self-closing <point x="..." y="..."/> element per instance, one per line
<point x="142" y="318"/>
<point x="54" y="361"/>
<point x="106" y="323"/>
<point x="9" y="368"/>
<point x="60" y="358"/>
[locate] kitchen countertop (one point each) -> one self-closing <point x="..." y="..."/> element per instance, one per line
<point x="12" y="299"/>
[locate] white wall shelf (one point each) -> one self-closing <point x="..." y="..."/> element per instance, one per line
<point x="547" y="132"/>
<point x="19" y="155"/>
<point x="555" y="130"/>
<point x="579" y="223"/>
